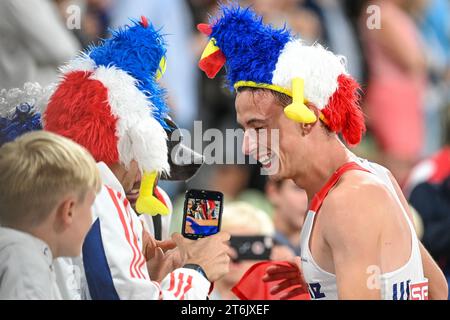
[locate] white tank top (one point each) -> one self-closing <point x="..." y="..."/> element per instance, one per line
<point x="395" y="285"/>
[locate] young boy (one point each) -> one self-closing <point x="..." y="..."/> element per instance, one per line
<point x="47" y="186"/>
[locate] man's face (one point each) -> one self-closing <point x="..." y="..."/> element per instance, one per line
<point x="129" y="179"/>
<point x="260" y="111"/>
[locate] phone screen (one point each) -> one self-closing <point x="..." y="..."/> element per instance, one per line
<point x="202" y="213"/>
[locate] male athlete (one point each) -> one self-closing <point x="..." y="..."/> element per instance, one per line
<point x="358" y="239"/>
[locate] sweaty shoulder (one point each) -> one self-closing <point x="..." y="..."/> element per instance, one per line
<point x="358" y="202"/>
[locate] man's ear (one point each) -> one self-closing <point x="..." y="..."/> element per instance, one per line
<point x="307" y="127"/>
<point x="65" y="211"/>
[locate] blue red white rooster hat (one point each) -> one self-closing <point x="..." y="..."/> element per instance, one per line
<point x="109" y="101"/>
<point x="258" y="55"/>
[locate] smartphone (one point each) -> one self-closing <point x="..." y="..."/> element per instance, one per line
<point x="252" y="247"/>
<point x="202" y="213"/>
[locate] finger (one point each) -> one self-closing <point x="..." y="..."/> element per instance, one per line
<point x="288" y="283"/>
<point x="280" y="269"/>
<point x="280" y="276"/>
<point x="232" y="253"/>
<point x="178" y="239"/>
<point x="166" y="244"/>
<point x="159" y="255"/>
<point x="292" y="293"/>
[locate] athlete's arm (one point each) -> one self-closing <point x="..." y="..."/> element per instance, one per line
<point x="437" y="284"/>
<point x="351" y="224"/>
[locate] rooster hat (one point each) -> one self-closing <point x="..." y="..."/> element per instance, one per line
<point x="258" y="55"/>
<point x="109" y="101"/>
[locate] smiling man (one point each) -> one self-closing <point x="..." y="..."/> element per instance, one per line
<point x="109" y="101"/>
<point x="358" y="239"/>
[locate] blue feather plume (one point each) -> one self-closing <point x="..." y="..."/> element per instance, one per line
<point x="251" y="47"/>
<point x="138" y="51"/>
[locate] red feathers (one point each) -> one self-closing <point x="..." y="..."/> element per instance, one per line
<point x="204" y="28"/>
<point x="343" y="111"/>
<point x="144" y="21"/>
<point x="79" y="110"/>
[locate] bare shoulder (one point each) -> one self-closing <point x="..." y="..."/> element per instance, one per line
<point x="356" y="207"/>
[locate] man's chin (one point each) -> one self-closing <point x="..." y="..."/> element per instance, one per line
<point x="132" y="200"/>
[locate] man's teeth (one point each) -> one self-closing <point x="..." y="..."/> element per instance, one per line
<point x="265" y="160"/>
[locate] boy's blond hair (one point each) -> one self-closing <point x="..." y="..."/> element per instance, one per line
<point x="36" y="171"/>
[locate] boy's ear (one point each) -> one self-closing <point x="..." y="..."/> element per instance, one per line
<point x="64" y="211"/>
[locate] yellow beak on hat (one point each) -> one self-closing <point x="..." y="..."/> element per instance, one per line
<point x="297" y="110"/>
<point x="148" y="201"/>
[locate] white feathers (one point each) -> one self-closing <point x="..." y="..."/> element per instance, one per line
<point x="80" y="63"/>
<point x="318" y="67"/>
<point x="141" y="137"/>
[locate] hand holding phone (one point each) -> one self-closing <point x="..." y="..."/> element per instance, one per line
<point x="202" y="213"/>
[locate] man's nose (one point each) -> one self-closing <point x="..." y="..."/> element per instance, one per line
<point x="249" y="142"/>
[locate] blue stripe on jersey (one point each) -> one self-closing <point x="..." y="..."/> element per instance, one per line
<point x="98" y="274"/>
<point x="402" y="290"/>
<point x="394" y="292"/>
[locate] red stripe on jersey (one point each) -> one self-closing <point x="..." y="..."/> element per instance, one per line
<point x="140" y="257"/>
<point x="318" y="198"/>
<point x="172" y="281"/>
<point x="187" y="288"/>
<point x="180" y="284"/>
<point x="127" y="235"/>
<point x="159" y="196"/>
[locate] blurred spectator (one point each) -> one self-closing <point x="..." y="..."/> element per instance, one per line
<point x="433" y="18"/>
<point x="429" y="194"/>
<point x="340" y="35"/>
<point x="396" y="88"/>
<point x="290" y="205"/>
<point x="242" y="219"/>
<point x="94" y="20"/>
<point x="306" y="22"/>
<point x="34" y="42"/>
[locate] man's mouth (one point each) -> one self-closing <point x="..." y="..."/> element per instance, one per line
<point x="133" y="195"/>
<point x="265" y="159"/>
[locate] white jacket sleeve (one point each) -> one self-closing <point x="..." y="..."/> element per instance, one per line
<point x="114" y="264"/>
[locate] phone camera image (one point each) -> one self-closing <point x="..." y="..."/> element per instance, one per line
<point x="202" y="214"/>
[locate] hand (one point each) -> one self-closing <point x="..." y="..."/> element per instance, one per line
<point x="149" y="244"/>
<point x="292" y="280"/>
<point x="164" y="263"/>
<point x="210" y="253"/>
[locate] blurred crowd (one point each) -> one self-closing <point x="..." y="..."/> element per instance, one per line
<point x="399" y="50"/>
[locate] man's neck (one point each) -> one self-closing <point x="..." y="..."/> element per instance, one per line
<point x="324" y="161"/>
